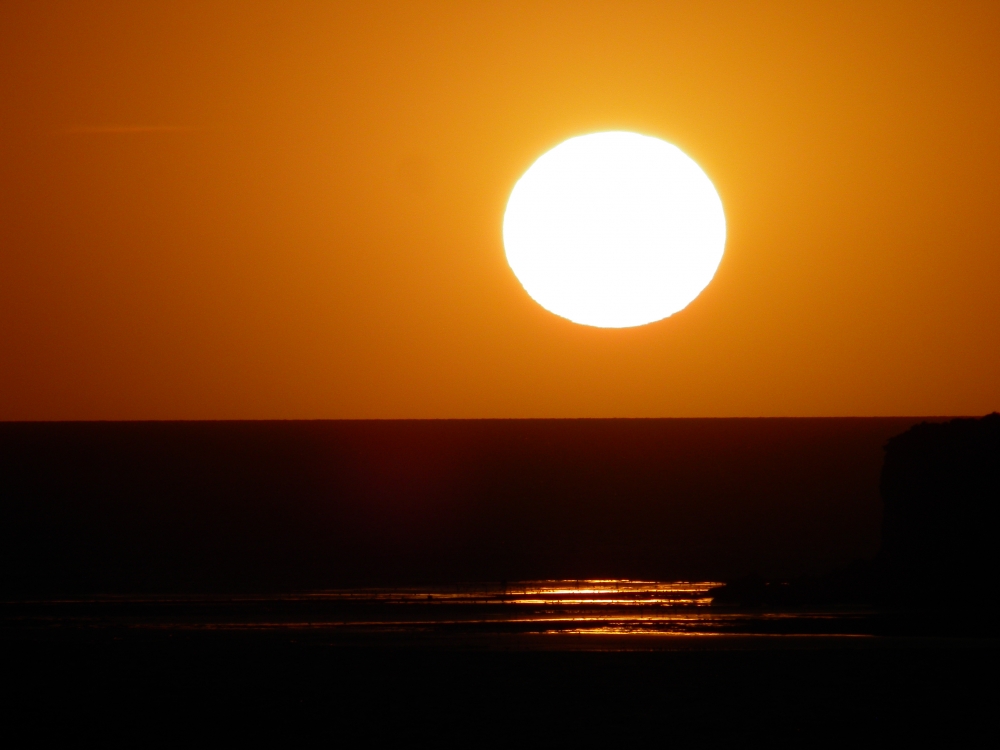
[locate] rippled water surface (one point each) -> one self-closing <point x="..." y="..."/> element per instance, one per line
<point x="505" y="613"/>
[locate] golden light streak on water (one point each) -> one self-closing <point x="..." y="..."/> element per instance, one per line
<point x="578" y="608"/>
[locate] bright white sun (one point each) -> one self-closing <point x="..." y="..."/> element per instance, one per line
<point x="614" y="230"/>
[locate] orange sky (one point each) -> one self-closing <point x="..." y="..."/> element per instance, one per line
<point x="293" y="210"/>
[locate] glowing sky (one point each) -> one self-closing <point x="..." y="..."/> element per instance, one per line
<point x="270" y="210"/>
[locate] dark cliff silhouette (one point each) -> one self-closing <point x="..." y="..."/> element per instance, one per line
<point x="940" y="489"/>
<point x="941" y="493"/>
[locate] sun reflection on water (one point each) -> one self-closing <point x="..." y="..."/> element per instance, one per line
<point x="585" y="607"/>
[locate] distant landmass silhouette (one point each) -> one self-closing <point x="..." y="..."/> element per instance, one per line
<point x="940" y="489"/>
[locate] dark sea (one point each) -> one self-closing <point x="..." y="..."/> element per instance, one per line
<point x="224" y="583"/>
<point x="561" y="661"/>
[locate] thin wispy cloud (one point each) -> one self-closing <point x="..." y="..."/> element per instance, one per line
<point x="126" y="129"/>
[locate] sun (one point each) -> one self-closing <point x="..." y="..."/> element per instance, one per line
<point x="614" y="230"/>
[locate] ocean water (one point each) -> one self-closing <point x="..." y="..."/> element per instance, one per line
<point x="490" y="660"/>
<point x="616" y="614"/>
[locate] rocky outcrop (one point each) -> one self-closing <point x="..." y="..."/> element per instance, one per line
<point x="940" y="488"/>
<point x="941" y="495"/>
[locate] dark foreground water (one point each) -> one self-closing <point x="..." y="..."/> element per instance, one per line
<point x="552" y="661"/>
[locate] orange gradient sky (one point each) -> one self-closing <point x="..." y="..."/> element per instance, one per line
<point x="294" y="210"/>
